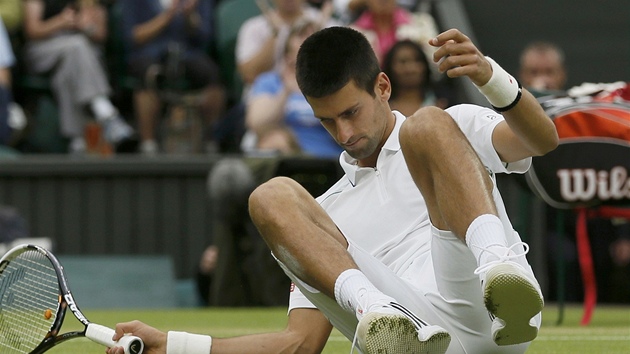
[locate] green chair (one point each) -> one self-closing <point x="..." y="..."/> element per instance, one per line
<point x="229" y="16"/>
<point x="115" y="48"/>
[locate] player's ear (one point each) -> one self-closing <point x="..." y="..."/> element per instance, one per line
<point x="383" y="87"/>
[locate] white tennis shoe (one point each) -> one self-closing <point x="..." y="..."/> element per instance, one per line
<point x="512" y="297"/>
<point x="392" y="329"/>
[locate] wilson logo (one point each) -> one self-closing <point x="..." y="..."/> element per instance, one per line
<point x="587" y="184"/>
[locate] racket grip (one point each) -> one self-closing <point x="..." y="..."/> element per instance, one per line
<point x="103" y="335"/>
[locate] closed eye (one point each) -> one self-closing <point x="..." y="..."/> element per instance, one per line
<point x="350" y="113"/>
<point x="325" y="120"/>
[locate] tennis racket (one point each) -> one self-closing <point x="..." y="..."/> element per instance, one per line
<point x="34" y="297"/>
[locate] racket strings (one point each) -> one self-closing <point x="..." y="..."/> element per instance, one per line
<point x="29" y="298"/>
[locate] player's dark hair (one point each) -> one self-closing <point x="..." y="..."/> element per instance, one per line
<point x="332" y="57"/>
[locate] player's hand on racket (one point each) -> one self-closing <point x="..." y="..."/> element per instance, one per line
<point x="154" y="340"/>
<point x="457" y="56"/>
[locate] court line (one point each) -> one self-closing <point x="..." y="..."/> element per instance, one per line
<point x="582" y="338"/>
<point x="539" y="338"/>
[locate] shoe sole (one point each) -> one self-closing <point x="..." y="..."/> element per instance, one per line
<point x="396" y="334"/>
<point x="512" y="298"/>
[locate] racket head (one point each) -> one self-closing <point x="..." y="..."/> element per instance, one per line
<point x="31" y="300"/>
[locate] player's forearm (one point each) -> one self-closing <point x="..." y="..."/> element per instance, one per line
<point x="531" y="132"/>
<point x="532" y="125"/>
<point x="266" y="343"/>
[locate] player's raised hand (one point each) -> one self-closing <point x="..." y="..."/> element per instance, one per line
<point x="457" y="56"/>
<point x="154" y="340"/>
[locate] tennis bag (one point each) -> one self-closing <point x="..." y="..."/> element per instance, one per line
<point x="589" y="170"/>
<point x="591" y="165"/>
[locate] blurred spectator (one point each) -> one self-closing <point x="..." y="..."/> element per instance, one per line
<point x="283" y="124"/>
<point x="407" y="67"/>
<point x="542" y="67"/>
<point x="6" y="62"/>
<point x="62" y="40"/>
<point x="11" y="13"/>
<point x="205" y="272"/>
<point x="246" y="274"/>
<point x="167" y="36"/>
<point x="620" y="255"/>
<point x="349" y="10"/>
<point x="275" y="101"/>
<point x="259" y="49"/>
<point x="261" y="38"/>
<point x="384" y="23"/>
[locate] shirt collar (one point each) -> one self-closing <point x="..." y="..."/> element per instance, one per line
<point x="392" y="145"/>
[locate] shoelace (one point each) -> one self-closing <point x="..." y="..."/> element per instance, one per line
<point x="354" y="340"/>
<point x="501" y="257"/>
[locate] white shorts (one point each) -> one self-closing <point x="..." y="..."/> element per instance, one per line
<point x="445" y="293"/>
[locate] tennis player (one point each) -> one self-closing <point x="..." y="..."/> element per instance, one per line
<point x="411" y="251"/>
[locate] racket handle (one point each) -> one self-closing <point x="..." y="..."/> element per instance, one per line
<point x="103" y="335"/>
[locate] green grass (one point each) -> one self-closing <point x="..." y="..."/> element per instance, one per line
<point x="609" y="331"/>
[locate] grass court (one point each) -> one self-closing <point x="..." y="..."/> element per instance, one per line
<point x="608" y="332"/>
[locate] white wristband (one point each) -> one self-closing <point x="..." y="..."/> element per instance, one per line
<point x="187" y="343"/>
<point x="503" y="91"/>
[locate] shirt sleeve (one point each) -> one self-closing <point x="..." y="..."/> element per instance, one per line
<point x="478" y="123"/>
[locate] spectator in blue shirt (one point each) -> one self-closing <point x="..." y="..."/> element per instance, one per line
<point x="275" y="101"/>
<point x="282" y="124"/>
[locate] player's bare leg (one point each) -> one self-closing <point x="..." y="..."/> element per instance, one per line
<point x="458" y="193"/>
<point x="300" y="233"/>
<point x="447" y="170"/>
<point x="306" y="240"/>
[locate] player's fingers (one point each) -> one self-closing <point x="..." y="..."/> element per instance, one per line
<point x="443" y="51"/>
<point x="452" y="48"/>
<point x="115" y="350"/>
<point x="465" y="65"/>
<point x="451" y="34"/>
<point x="124" y="327"/>
<point x="453" y="61"/>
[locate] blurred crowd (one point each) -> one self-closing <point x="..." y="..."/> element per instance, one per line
<point x="153" y="76"/>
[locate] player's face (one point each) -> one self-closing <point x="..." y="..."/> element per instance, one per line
<point x="358" y="122"/>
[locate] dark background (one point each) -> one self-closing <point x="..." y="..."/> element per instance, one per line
<point x="595" y="35"/>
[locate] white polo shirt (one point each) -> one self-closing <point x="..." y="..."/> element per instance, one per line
<point x="382" y="211"/>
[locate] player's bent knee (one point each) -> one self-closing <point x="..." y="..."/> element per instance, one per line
<point x="272" y="193"/>
<point x="425" y="120"/>
<point x="425" y="125"/>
